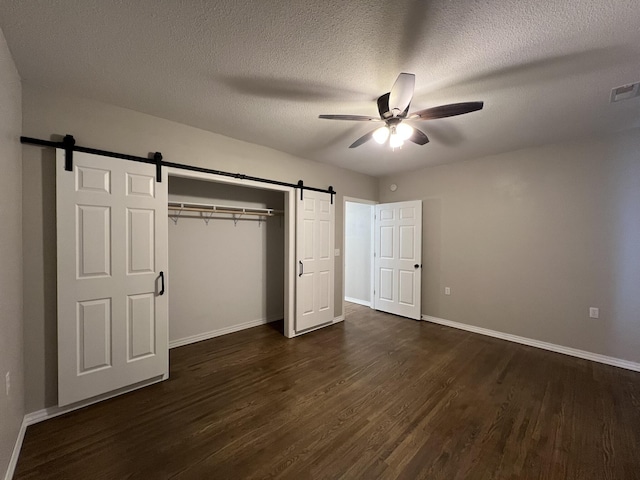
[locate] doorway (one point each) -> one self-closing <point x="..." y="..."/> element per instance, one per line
<point x="383" y="256"/>
<point x="358" y="251"/>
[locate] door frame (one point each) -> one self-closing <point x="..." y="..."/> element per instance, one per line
<point x="289" y="237"/>
<point x="372" y="203"/>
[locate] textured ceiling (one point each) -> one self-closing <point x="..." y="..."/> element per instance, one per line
<point x="263" y="71"/>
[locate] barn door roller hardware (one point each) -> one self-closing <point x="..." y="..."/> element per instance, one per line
<point x="301" y="186"/>
<point x="68" y="144"/>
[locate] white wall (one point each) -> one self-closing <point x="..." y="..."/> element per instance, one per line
<point x="224" y="274"/>
<point x="529" y="240"/>
<point x="358" y="231"/>
<point x="108" y="127"/>
<point x="11" y="345"/>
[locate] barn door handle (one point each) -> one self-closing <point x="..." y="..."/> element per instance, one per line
<point x="161" y="284"/>
<point x="301" y="268"/>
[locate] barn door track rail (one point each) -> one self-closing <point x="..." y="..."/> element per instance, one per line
<point x="68" y="144"/>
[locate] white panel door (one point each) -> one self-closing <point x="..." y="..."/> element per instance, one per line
<point x="398" y="258"/>
<point x="314" y="252"/>
<point x="112" y="248"/>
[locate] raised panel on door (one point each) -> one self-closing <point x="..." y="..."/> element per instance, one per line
<point x="386" y="213"/>
<point x="406" y="279"/>
<point x="407" y="213"/>
<point x="387" y="250"/>
<point x="308" y="239"/>
<point x="386" y="284"/>
<point x="407" y="242"/>
<point x="325" y="240"/>
<point x="95" y="180"/>
<point x="140" y="185"/>
<point x="141" y="326"/>
<point x="94" y="335"/>
<point x="308" y="293"/>
<point x="140" y="241"/>
<point x="324" y="290"/>
<point x="93" y="227"/>
<point x="112" y="246"/>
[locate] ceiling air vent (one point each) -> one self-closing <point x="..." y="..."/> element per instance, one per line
<point x="625" y="92"/>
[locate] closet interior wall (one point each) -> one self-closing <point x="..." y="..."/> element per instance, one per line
<point x="224" y="275"/>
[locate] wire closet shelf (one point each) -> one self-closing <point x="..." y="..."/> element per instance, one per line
<point x="207" y="211"/>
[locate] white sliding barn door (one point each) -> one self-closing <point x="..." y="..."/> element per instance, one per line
<point x="314" y="252"/>
<point x="112" y="248"/>
<point x="398" y="258"/>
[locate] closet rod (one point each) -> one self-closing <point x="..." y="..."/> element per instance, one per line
<point x="69" y="146"/>
<point x="186" y="207"/>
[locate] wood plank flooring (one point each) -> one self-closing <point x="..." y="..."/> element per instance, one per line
<point x="377" y="396"/>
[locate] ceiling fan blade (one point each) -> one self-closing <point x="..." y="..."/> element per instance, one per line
<point x="419" y="137"/>
<point x="450" y="110"/>
<point x="402" y="91"/>
<point x="358" y="118"/>
<point x="362" y="139"/>
<point x="383" y="106"/>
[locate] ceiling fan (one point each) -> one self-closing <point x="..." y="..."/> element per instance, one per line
<point x="393" y="108"/>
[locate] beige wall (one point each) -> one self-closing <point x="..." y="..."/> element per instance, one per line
<point x="224" y="273"/>
<point x="108" y="127"/>
<point x="529" y="240"/>
<point x="11" y="406"/>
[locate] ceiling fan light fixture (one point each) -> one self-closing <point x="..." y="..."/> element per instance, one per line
<point x="395" y="141"/>
<point x="381" y="135"/>
<point x="404" y="131"/>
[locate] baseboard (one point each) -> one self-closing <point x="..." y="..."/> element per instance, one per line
<point x="552" y="347"/>
<point x="358" y="301"/>
<point x="223" y="331"/>
<point x="13" y="461"/>
<point x="51" y="412"/>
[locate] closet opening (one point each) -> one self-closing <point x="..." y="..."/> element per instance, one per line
<point x="230" y="251"/>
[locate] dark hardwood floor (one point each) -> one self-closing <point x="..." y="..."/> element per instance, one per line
<point x="377" y="396"/>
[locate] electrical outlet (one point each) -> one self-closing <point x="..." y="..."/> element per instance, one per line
<point x="447" y="291"/>
<point x="7" y="382"/>
<point x="594" y="312"/>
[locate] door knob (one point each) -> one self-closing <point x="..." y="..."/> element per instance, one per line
<point x="416" y="266"/>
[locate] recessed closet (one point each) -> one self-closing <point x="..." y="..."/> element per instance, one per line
<point x="226" y="258"/>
